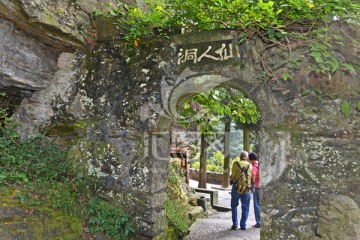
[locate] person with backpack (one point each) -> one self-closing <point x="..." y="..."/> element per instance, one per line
<point x="240" y="179"/>
<point x="253" y="159"/>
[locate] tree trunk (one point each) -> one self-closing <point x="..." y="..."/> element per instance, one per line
<point x="203" y="157"/>
<point x="226" y="173"/>
<point x="246" y="138"/>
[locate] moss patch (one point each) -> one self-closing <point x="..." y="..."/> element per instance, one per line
<point x="36" y="222"/>
<point x="94" y="156"/>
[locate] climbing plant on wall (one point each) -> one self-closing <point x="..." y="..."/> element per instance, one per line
<point x="287" y="24"/>
<point x="277" y="21"/>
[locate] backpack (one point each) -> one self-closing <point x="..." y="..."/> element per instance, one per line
<point x="244" y="181"/>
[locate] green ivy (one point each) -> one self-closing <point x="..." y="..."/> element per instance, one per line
<point x="174" y="179"/>
<point x="177" y="217"/>
<point x="106" y="218"/>
<point x="345" y="108"/>
<point x="273" y="16"/>
<point x="277" y="21"/>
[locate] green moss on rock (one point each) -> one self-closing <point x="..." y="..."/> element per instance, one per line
<point x="70" y="128"/>
<point x="36" y="222"/>
<point x="281" y="195"/>
<point x="89" y="156"/>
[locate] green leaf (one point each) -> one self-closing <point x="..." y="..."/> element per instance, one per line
<point x="345" y="108"/>
<point x="286" y="76"/>
<point x="305" y="93"/>
<point x="334" y="65"/>
<point x="318" y="91"/>
<point x="358" y="106"/>
<point x="98" y="13"/>
<point x="316" y="54"/>
<point x="279" y="35"/>
<point x="348" y="67"/>
<point x="319" y="60"/>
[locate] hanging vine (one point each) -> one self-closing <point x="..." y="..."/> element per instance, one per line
<point x="302" y="25"/>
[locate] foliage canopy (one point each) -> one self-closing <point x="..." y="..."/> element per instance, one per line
<point x="207" y="108"/>
<point x="276" y="17"/>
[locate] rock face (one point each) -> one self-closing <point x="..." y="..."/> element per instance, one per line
<point x="26" y="65"/>
<point x="339" y="218"/>
<point x="114" y="109"/>
<point x="53" y="21"/>
<point x="34" y="33"/>
<point x="46" y="103"/>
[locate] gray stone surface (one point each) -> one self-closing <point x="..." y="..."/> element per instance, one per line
<point x="47" y="22"/>
<point x="63" y="24"/>
<point x="218" y="224"/>
<point x="339" y="218"/>
<point x="25" y="64"/>
<point x="37" y="111"/>
<point x="127" y="147"/>
<point x="217" y="228"/>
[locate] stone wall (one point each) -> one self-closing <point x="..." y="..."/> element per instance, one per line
<point x="302" y="139"/>
<point x="211" y="177"/>
<point x="114" y="107"/>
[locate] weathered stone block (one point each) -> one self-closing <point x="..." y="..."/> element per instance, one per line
<point x="339" y="218"/>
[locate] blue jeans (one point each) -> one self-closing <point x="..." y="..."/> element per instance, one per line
<point x="257" y="206"/>
<point x="245" y="205"/>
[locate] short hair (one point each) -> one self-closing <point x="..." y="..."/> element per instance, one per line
<point x="244" y="155"/>
<point x="253" y="156"/>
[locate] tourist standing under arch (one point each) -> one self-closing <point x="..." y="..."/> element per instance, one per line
<point x="235" y="196"/>
<point x="253" y="159"/>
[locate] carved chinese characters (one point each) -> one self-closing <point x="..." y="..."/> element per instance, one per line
<point x="195" y="55"/>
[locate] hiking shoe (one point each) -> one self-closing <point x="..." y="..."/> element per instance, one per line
<point x="256" y="226"/>
<point x="243" y="228"/>
<point x="234" y="227"/>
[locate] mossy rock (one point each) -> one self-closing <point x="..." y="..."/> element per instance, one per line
<point x="40" y="222"/>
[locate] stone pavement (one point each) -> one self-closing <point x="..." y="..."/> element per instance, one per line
<point x="217" y="225"/>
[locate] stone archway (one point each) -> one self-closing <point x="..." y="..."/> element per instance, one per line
<point x="124" y="98"/>
<point x="298" y="154"/>
<point x="237" y="73"/>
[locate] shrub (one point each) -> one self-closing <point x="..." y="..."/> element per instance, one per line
<point x="196" y="165"/>
<point x="217" y="159"/>
<point x="213" y="168"/>
<point x="34" y="159"/>
<point x="106" y="218"/>
<point x="174" y="178"/>
<point x="177" y="217"/>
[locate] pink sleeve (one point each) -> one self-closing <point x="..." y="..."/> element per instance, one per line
<point x="255" y="170"/>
